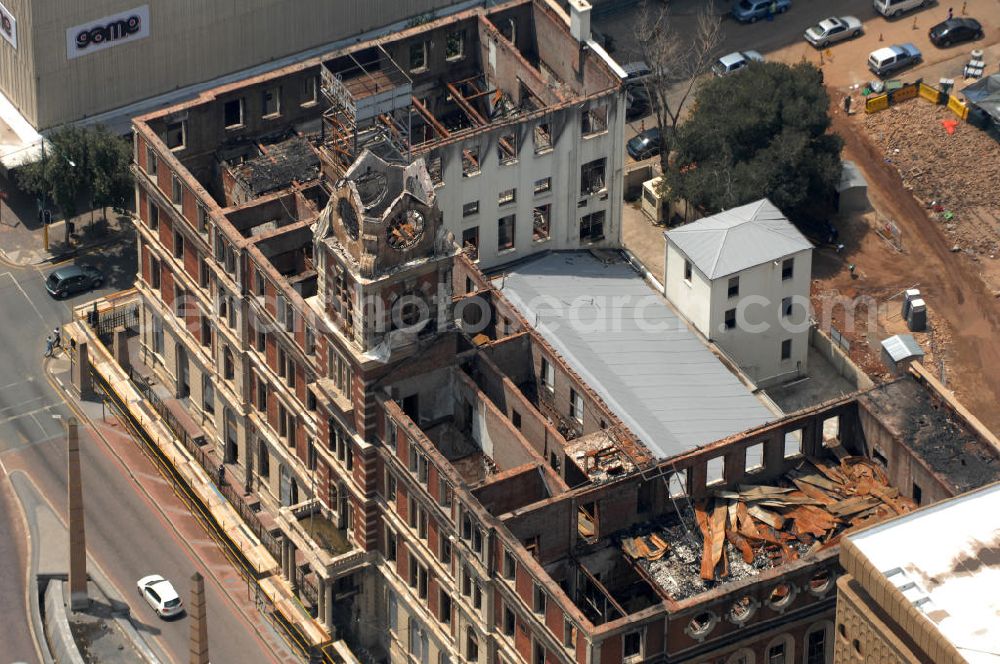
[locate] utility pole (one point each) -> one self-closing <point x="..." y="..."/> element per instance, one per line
<point x="79" y="599"/>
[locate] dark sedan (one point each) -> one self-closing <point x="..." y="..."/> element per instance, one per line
<point x="955" y="31"/>
<point x="66" y="281"/>
<point x="637" y="103"/>
<point x="645" y="144"/>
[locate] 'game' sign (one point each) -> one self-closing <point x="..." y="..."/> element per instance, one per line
<point x="106" y="32"/>
<point x="8" y="26"/>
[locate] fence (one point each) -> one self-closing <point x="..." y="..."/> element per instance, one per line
<point x="194" y="447"/>
<point x="104" y="323"/>
<point x="840" y="339"/>
<point x="876" y="103"/>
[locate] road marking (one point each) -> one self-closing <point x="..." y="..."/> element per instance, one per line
<point x="16" y="283"/>
<point x="30" y="413"/>
<point x="20" y="382"/>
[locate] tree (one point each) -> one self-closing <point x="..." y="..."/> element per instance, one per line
<point x="80" y="165"/>
<point x="676" y="59"/>
<point x="111" y="159"/>
<point x="760" y="133"/>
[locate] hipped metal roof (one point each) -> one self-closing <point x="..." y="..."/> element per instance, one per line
<point x="737" y="239"/>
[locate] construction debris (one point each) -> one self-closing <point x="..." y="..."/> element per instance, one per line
<point x="758" y="526"/>
<point x="955" y="170"/>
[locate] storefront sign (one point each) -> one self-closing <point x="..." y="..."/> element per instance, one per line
<point x="107" y="32"/>
<point x="8" y="27"/>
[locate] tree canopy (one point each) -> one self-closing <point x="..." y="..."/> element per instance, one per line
<point x="762" y="132"/>
<point x="79" y="164"/>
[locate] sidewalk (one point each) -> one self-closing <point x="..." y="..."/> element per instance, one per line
<point x="22" y="237"/>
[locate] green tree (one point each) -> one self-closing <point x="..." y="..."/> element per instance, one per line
<point x="110" y="158"/>
<point x="763" y="132"/>
<point x="80" y="166"/>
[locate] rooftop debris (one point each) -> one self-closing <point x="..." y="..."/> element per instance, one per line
<point x="757" y="526"/>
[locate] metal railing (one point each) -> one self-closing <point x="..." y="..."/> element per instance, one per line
<point x="195" y="448"/>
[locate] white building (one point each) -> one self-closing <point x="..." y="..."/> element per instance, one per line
<point x="741" y="277"/>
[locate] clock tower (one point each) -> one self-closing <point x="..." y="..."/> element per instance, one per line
<point x="383" y="257"/>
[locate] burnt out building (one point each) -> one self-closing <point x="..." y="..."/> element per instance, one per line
<point x="446" y="474"/>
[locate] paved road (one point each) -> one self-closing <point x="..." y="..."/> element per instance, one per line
<point x="129" y="533"/>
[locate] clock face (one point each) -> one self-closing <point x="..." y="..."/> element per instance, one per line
<point x="405" y="230"/>
<point x="348" y="217"/>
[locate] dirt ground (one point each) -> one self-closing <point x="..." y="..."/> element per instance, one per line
<point x="964" y="314"/>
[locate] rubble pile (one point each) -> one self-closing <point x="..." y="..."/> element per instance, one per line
<point x="954" y="175"/>
<point x="734" y="534"/>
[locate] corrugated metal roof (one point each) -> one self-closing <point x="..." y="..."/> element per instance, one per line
<point x="736" y="239"/>
<point x="632" y="349"/>
<point x="901" y="347"/>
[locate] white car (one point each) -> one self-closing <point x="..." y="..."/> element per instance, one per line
<point x="735" y="61"/>
<point x="160" y="595"/>
<point x="833" y="29"/>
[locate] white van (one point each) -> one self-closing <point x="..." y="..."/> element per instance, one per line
<point x="897" y="7"/>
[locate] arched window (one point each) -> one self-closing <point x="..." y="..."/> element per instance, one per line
<point x="228" y="364"/>
<point x="207" y="394"/>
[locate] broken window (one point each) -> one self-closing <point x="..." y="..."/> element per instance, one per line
<point x="715" y="471"/>
<point x="538" y="600"/>
<point x="632" y="644"/>
<point x="677" y="484"/>
<point x="507" y="149"/>
<point x="454" y="46"/>
<point x="569" y="635"/>
<point x="701" y="624"/>
<point x="176" y="135"/>
<point x="310" y="90"/>
<point x="434" y="169"/>
<point x="831" y="431"/>
<point x="776" y="654"/>
<point x="786" y="307"/>
<point x="540" y="229"/>
<point x="508" y="621"/>
<point x="542" y="186"/>
<point x="754" y="460"/>
<point x="470" y="242"/>
<point x="505" y="232"/>
<point x="471" y="645"/>
<point x="786" y="349"/>
<point x="176" y="190"/>
<point x="816" y="647"/>
<point x="730" y="319"/>
<point x="418" y="56"/>
<point x="543" y="137"/>
<point x="272" y="102"/>
<point x="793" y="443"/>
<point x="594" y="120"/>
<point x="742" y="609"/>
<point x="470" y="162"/>
<point x="592" y="177"/>
<point x="470" y="209"/>
<point x="687" y="270"/>
<point x="576" y="405"/>
<point x="150" y="161"/>
<point x="233" y="113"/>
<point x="592" y="227"/>
<point x="509" y="30"/>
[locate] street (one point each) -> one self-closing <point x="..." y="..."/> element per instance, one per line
<point x="135" y="523"/>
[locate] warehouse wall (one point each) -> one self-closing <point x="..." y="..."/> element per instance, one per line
<point x="190" y="41"/>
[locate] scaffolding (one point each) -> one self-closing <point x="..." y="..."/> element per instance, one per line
<point x="370" y="106"/>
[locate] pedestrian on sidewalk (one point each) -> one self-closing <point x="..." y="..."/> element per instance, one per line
<point x="950" y="13"/>
<point x="56" y="338"/>
<point x="49" y="343"/>
<point x="847" y="104"/>
<point x="222" y="474"/>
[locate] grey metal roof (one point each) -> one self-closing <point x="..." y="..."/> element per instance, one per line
<point x="850" y="176"/>
<point x="620" y="336"/>
<point x="736" y="239"/>
<point x="901" y="347"/>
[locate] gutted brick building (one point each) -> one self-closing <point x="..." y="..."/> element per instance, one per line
<point x="445" y="481"/>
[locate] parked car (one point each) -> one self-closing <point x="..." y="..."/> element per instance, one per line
<point x="954" y="31"/>
<point x="636" y="71"/>
<point x="893" y="58"/>
<point x="751" y="11"/>
<point x="735" y="61"/>
<point x="833" y="29"/>
<point x="637" y="103"/>
<point x="645" y="144"/>
<point x="66" y="281"/>
<point x="893" y="8"/>
<point x="160" y="595"/>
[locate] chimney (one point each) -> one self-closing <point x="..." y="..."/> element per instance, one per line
<point x="579" y="20"/>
